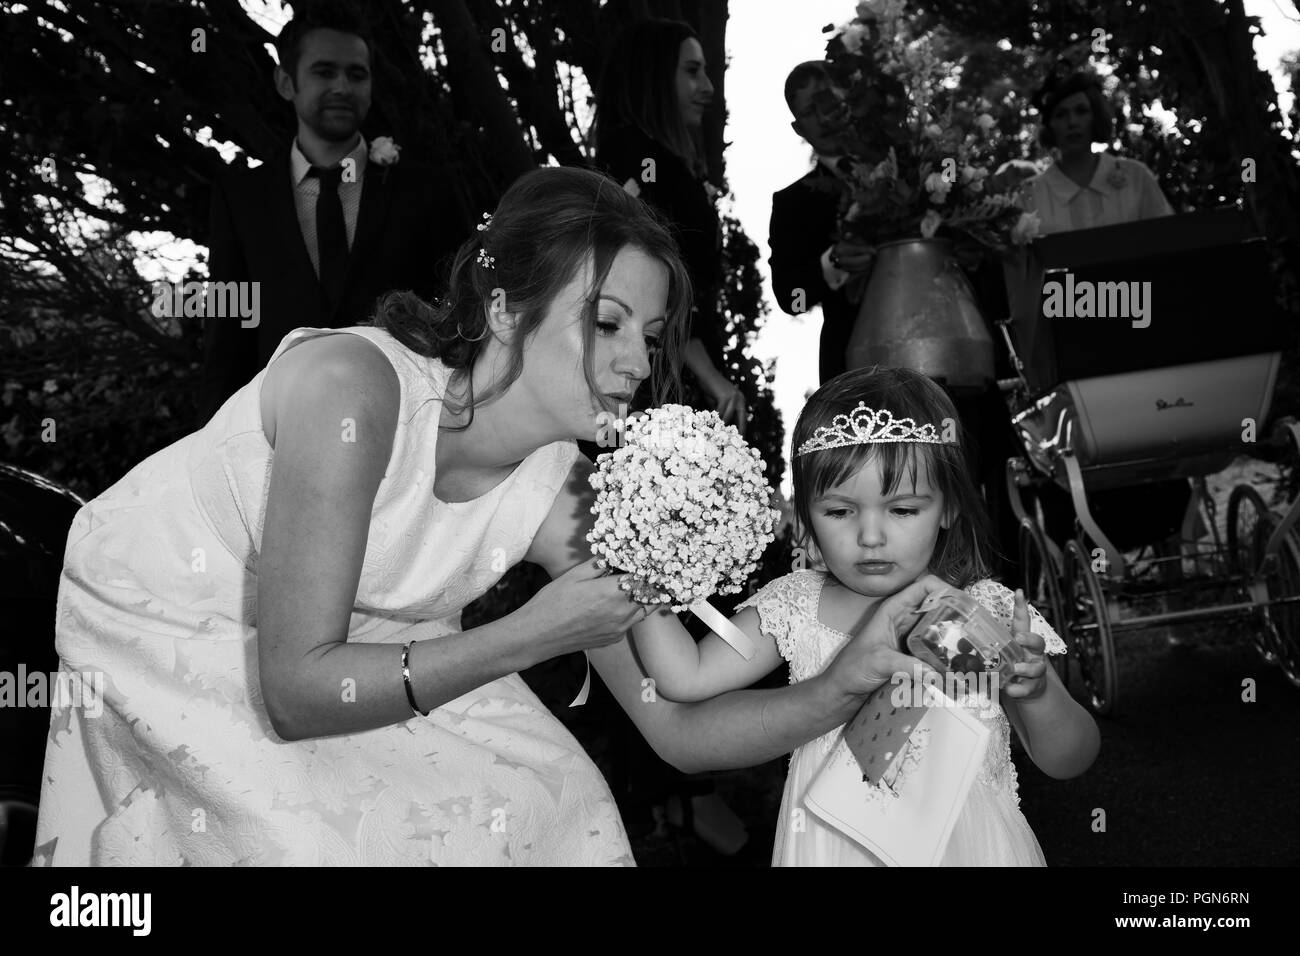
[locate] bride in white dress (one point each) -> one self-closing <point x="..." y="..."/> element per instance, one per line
<point x="274" y="601"/>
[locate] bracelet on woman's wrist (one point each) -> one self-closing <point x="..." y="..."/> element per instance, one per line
<point x="406" y="680"/>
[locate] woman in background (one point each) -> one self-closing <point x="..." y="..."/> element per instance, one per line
<point x="650" y="104"/>
<point x="1083" y="189"/>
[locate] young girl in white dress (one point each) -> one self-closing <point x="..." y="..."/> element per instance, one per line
<point x="881" y="501"/>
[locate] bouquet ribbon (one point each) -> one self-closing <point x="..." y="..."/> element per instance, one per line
<point x="738" y="639"/>
<point x="586" y="683"/>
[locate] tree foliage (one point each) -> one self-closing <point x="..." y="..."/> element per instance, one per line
<point x="116" y="116"/>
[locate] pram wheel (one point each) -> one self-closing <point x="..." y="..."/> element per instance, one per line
<point x="1281" y="577"/>
<point x="1249" y="527"/>
<point x="1245" y="509"/>
<point x="1089" y="627"/>
<point x="1040" y="576"/>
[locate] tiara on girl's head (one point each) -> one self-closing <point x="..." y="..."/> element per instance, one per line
<point x="864" y="426"/>
<point x="487" y="221"/>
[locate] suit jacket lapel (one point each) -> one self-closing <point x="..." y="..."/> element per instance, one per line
<point x="822" y="174"/>
<point x="832" y="195"/>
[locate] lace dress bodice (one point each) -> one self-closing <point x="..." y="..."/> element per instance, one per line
<point x="788" y="612"/>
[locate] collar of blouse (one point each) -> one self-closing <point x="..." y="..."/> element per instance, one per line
<point x="1110" y="178"/>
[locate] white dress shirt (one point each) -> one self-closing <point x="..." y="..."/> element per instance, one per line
<point x="306" y="188"/>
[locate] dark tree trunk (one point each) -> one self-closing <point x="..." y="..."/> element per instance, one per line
<point x="1233" y="91"/>
<point x="537" y="89"/>
<point x="479" y="94"/>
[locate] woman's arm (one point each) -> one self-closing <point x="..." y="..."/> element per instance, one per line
<point x="710" y="376"/>
<point x="687" y="671"/>
<point x="324" y="477"/>
<point x="738" y="729"/>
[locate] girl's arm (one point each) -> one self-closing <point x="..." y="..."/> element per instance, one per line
<point x="1059" y="735"/>
<point x="686" y="671"/>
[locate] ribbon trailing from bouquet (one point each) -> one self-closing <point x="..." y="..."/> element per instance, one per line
<point x="586" y="683"/>
<point x="738" y="639"/>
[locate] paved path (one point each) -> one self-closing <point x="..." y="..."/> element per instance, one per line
<point x="1188" y="774"/>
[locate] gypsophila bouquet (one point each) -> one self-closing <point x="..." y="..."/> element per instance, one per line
<point x="916" y="151"/>
<point x="682" y="506"/>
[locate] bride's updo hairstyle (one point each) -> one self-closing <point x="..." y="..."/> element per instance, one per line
<point x="959" y="553"/>
<point x="550" y="223"/>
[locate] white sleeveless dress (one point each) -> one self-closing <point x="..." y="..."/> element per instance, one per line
<point x="991" y="830"/>
<point x="182" y="767"/>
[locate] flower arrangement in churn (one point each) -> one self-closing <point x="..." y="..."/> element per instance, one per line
<point x="920" y="151"/>
<point x="682" y="506"/>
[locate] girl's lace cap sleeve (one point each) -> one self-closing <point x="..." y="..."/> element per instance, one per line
<point x="1001" y="602"/>
<point x="778" y="604"/>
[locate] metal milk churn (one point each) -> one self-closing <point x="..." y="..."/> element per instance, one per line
<point x="919" y="312"/>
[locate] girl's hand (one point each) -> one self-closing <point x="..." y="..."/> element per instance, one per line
<point x="1031" y="675"/>
<point x="873" y="657"/>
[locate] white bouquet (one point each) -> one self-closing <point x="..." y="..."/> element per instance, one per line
<point x="682" y="506"/>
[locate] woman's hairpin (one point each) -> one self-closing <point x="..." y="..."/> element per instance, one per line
<point x="485" y="260"/>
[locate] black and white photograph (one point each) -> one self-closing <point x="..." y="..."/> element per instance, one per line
<point x="481" y="433"/>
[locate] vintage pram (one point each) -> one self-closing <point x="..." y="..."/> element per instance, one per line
<point x="1118" y="417"/>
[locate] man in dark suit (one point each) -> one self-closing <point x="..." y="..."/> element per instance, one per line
<point x="327" y="224"/>
<point x="809" y="267"/>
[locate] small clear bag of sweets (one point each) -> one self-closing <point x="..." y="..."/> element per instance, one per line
<point x="957" y="634"/>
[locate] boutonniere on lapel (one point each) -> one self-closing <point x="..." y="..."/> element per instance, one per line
<point x="384" y="152"/>
<point x="1117" y="179"/>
